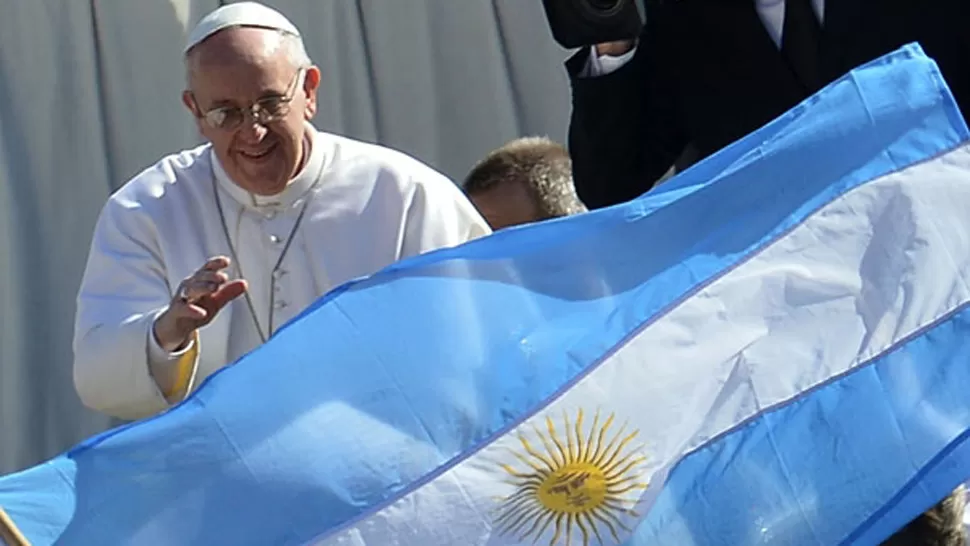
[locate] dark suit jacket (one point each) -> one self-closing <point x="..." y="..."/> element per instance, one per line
<point x="707" y="73"/>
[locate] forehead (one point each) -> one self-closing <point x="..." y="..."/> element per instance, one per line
<point x="506" y="204"/>
<point x="240" y="63"/>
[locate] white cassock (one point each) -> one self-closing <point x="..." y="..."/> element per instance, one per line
<point x="366" y="207"/>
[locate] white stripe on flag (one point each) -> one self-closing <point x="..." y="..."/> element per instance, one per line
<point x="844" y="286"/>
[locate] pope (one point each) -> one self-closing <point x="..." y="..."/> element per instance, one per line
<point x="198" y="259"/>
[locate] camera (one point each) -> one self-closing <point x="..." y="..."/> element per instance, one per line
<point x="579" y="23"/>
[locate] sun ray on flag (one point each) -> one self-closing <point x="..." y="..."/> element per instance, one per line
<point x="577" y="487"/>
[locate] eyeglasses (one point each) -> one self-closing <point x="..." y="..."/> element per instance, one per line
<point x="263" y="111"/>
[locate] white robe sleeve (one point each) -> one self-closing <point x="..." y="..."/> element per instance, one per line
<point x="440" y="216"/>
<point x="123" y="290"/>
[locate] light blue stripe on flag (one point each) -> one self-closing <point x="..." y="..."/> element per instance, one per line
<point x="781" y="326"/>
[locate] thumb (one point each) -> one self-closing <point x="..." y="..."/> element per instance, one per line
<point x="228" y="292"/>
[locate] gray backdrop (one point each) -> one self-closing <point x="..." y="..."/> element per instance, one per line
<point x="89" y="95"/>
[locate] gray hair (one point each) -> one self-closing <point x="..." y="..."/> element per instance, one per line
<point x="543" y="165"/>
<point x="292" y="45"/>
<point x="295" y="50"/>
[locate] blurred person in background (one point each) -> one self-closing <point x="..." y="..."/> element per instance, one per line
<point x="201" y="257"/>
<point x="705" y="73"/>
<point x="526" y="180"/>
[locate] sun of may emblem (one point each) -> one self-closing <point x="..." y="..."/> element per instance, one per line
<point x="577" y="483"/>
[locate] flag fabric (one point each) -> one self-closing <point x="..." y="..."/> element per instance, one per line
<point x="771" y="348"/>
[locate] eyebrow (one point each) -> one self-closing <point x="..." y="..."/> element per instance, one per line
<point x="223" y="103"/>
<point x="264" y="94"/>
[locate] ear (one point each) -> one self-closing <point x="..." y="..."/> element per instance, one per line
<point x="311" y="83"/>
<point x="189" y="101"/>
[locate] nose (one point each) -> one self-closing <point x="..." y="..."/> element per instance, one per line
<point x="253" y="132"/>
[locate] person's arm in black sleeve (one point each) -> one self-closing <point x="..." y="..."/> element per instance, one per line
<point x="625" y="131"/>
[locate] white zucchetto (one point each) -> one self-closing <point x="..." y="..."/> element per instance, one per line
<point x="239" y="14"/>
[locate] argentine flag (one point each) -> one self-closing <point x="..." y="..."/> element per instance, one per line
<point x="771" y="348"/>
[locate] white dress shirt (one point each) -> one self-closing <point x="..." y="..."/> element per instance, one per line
<point x="772" y="13"/>
<point x="369" y="206"/>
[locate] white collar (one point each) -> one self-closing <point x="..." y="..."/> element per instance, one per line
<point x="295" y="189"/>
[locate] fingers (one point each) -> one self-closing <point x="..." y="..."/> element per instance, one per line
<point x="198" y="298"/>
<point x="206" y="291"/>
<point x="205" y="281"/>
<point x="202" y="284"/>
<point x="208" y="305"/>
<point x="228" y="292"/>
<point x="216" y="264"/>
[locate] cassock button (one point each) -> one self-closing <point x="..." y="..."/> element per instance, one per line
<point x="274" y="239"/>
<point x="278" y="274"/>
<point x="280" y="305"/>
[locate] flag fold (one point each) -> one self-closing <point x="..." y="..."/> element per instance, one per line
<point x="771" y="347"/>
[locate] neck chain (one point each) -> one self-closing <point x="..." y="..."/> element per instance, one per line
<point x="279" y="262"/>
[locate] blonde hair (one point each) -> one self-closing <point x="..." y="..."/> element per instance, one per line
<point x="541" y="164"/>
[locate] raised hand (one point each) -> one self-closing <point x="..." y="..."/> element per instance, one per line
<point x="197" y="301"/>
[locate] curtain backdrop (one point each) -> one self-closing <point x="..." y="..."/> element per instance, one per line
<point x="89" y="96"/>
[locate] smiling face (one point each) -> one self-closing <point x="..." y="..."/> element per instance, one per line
<point x="231" y="72"/>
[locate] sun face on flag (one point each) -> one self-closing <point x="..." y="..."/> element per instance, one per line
<point x="574" y="482"/>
